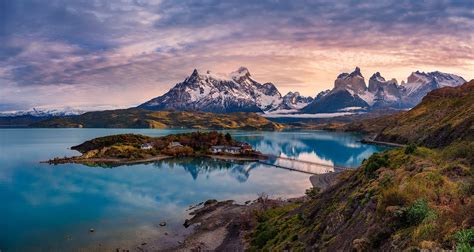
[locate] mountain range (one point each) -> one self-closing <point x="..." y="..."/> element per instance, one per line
<point x="238" y="91"/>
<point x="350" y="92"/>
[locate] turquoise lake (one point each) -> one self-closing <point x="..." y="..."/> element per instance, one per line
<point x="52" y="207"/>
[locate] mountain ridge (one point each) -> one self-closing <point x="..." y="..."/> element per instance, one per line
<point x="350" y="91"/>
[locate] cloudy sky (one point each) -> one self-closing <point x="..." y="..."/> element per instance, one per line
<point x="97" y="54"/>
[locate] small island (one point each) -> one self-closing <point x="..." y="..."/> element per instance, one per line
<point x="134" y="148"/>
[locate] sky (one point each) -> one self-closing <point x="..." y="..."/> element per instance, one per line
<point x="97" y="54"/>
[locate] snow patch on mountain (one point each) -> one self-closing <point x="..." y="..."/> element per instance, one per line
<point x="367" y="97"/>
<point x="317" y="115"/>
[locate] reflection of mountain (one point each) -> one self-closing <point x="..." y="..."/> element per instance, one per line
<point x="336" y="148"/>
<point x="202" y="166"/>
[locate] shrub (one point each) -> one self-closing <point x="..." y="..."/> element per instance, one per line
<point x="312" y="192"/>
<point x="393" y="197"/>
<point x="264" y="234"/>
<point x="460" y="150"/>
<point x="464" y="239"/>
<point x="411" y="148"/>
<point x="375" y="162"/>
<point x="418" y="212"/>
<point x="228" y="137"/>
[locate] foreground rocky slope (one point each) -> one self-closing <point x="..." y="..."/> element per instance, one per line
<point x="407" y="198"/>
<point x="140" y="118"/>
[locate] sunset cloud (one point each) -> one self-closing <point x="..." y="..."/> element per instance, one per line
<point x="121" y="53"/>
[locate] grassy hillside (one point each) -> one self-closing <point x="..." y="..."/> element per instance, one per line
<point x="401" y="199"/>
<point x="445" y="115"/>
<point x="139" y="118"/>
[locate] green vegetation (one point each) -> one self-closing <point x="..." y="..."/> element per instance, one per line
<point x="140" y="118"/>
<point x="418" y="212"/>
<point x="132" y="140"/>
<point x="275" y="227"/>
<point x="465" y="240"/>
<point x="402" y="198"/>
<point x="410" y="149"/>
<point x="375" y="162"/>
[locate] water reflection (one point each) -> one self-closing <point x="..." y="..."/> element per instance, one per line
<point x="204" y="166"/>
<point x="332" y="148"/>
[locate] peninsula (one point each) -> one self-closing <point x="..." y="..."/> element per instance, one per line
<point x="134" y="148"/>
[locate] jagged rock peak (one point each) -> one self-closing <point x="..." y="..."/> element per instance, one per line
<point x="356" y="72"/>
<point x="342" y="75"/>
<point x="377" y="76"/>
<point x="354" y="81"/>
<point x="241" y="73"/>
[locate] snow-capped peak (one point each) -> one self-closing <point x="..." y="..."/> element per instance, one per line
<point x="420" y="83"/>
<point x="240" y="75"/>
<point x="43" y="112"/>
<point x="236" y="91"/>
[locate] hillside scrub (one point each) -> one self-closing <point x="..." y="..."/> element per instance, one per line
<point x="412" y="197"/>
<point x="141" y="118"/>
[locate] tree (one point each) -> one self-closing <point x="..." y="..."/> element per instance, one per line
<point x="228" y="137"/>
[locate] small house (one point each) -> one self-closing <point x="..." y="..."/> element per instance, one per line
<point x="172" y="145"/>
<point x="226" y="149"/>
<point x="146" y="146"/>
<point x="233" y="150"/>
<point x="217" y="149"/>
<point x="245" y="146"/>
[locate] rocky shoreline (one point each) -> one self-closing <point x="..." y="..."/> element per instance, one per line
<point x="225" y="225"/>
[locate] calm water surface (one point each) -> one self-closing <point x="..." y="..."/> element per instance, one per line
<point x="46" y="207"/>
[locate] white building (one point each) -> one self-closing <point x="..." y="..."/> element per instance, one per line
<point x="226" y="149"/>
<point x="146" y="146"/>
<point x="174" y="144"/>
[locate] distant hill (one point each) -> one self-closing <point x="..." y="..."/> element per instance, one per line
<point x="445" y="115"/>
<point x="140" y="118"/>
<point x="19" y="121"/>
